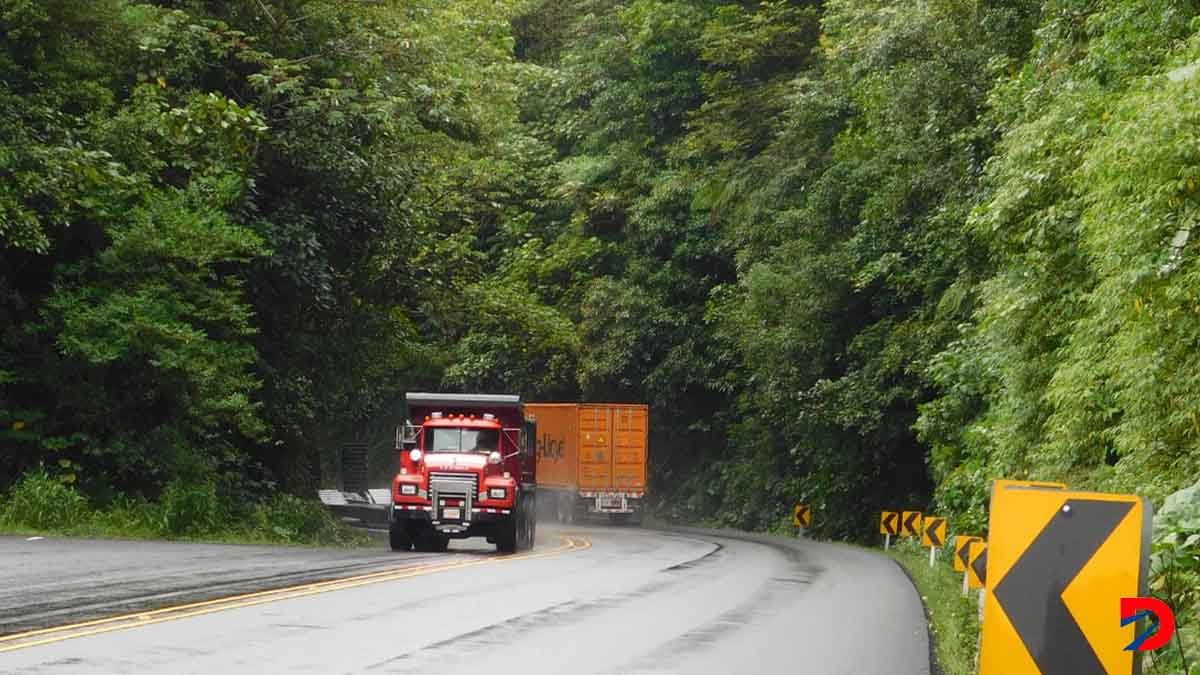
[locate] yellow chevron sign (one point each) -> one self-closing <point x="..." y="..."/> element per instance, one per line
<point x="976" y="564"/>
<point x="933" y="531"/>
<point x="1058" y="563"/>
<point x="960" y="551"/>
<point x="802" y="516"/>
<point x="889" y="523"/>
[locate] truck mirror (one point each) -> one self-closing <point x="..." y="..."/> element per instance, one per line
<point x="528" y="437"/>
<point x="406" y="436"/>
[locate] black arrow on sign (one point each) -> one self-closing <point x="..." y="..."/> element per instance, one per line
<point x="931" y="531"/>
<point x="964" y="552"/>
<point x="1031" y="592"/>
<point x="908" y="522"/>
<point x="889" y="523"/>
<point x="980" y="565"/>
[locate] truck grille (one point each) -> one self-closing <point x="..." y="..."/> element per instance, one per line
<point x="459" y="485"/>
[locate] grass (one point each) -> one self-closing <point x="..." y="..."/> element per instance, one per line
<point x="40" y="504"/>
<point x="953" y="619"/>
<point x="348" y="537"/>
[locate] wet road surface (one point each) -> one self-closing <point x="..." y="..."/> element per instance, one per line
<point x="586" y="600"/>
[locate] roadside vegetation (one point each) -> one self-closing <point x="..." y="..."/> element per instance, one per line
<point x="855" y="253"/>
<point x="953" y="618"/>
<point x="40" y="504"/>
<point x="1175" y="579"/>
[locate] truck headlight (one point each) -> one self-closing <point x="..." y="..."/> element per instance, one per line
<point x="497" y="493"/>
<point x="408" y="489"/>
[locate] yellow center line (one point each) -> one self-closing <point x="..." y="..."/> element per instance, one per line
<point x="139" y="619"/>
<point x="231" y="598"/>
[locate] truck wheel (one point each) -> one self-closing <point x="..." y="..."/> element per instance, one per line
<point x="506" y="535"/>
<point x="398" y="537"/>
<point x="426" y="541"/>
<point x="440" y="543"/>
<point x="507" y="543"/>
<point x="523" y="531"/>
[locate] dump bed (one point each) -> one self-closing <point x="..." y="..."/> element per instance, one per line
<point x="592" y="446"/>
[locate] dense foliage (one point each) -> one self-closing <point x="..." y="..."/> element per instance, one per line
<point x="856" y="253"/>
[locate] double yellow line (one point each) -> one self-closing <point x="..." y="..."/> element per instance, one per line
<point x="44" y="636"/>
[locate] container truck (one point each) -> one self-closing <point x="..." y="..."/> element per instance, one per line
<point x="591" y="458"/>
<point x="467" y="469"/>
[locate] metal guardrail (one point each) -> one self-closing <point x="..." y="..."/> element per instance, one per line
<point x="369" y="507"/>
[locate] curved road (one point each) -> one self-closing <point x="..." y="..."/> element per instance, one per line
<point x="586" y="600"/>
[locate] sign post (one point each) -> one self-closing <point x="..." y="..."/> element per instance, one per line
<point x="889" y="525"/>
<point x="1058" y="563"/>
<point x="910" y="524"/>
<point x="933" y="535"/>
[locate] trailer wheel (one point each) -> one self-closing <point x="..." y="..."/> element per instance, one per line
<point x="564" y="510"/>
<point x="398" y="537"/>
<point x="533" y="531"/>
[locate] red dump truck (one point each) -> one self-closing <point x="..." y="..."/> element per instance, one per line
<point x="591" y="458"/>
<point x="467" y="469"/>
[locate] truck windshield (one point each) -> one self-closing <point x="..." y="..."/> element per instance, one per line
<point x="464" y="440"/>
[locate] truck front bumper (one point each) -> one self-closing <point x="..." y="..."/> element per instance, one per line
<point x="480" y="521"/>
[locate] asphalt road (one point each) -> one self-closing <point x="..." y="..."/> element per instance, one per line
<point x="586" y="600"/>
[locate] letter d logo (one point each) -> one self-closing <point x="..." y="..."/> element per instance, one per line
<point x="1162" y="622"/>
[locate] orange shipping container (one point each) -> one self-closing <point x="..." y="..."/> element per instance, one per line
<point x="592" y="447"/>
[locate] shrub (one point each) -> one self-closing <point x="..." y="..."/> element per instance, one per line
<point x="191" y="508"/>
<point x="1175" y="574"/>
<point x="128" y="517"/>
<point x="293" y="519"/>
<point x="44" y="502"/>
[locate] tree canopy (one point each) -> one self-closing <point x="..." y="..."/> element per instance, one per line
<point x="860" y="254"/>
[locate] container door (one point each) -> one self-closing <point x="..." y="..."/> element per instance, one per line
<point x="557" y="439"/>
<point x="595" y="448"/>
<point x="629" y="431"/>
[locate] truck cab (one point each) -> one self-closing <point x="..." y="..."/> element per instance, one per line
<point x="467" y="469"/>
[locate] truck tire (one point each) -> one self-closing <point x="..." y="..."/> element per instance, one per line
<point x="440" y="543"/>
<point x="398" y="537"/>
<point x="523" y="538"/>
<point x="428" y="541"/>
<point x="506" y="535"/>
<point x="532" y="532"/>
